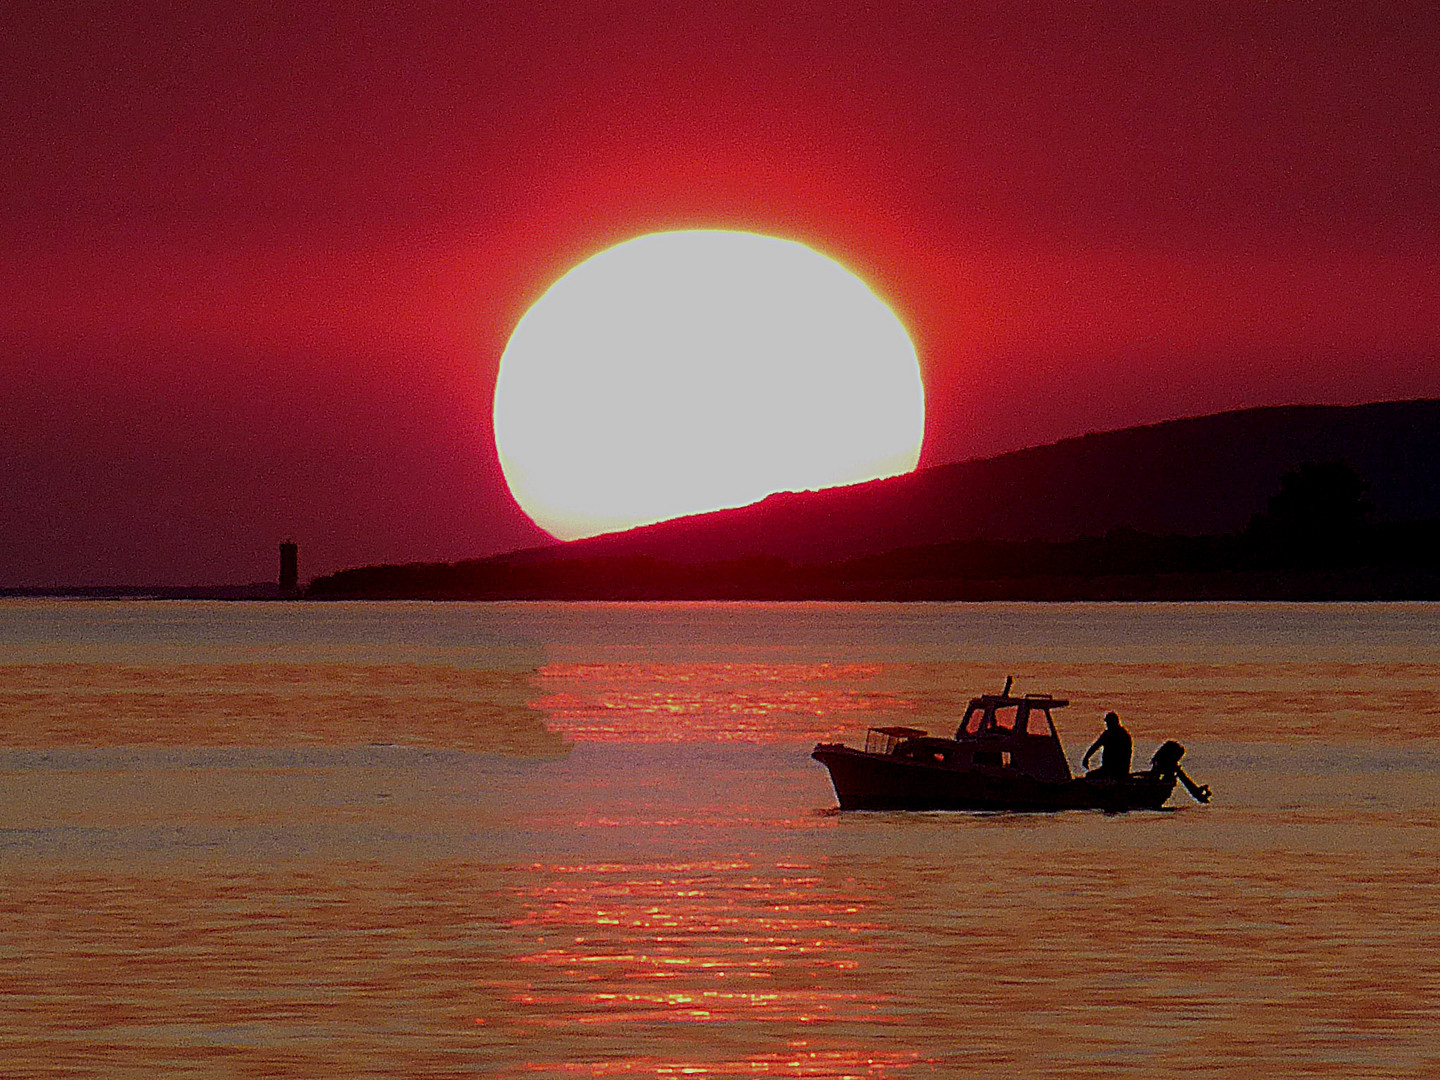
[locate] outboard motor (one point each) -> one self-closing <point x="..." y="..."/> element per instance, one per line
<point x="1167" y="758"/>
<point x="1166" y="764"/>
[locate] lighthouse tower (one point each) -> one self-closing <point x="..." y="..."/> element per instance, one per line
<point x="289" y="566"/>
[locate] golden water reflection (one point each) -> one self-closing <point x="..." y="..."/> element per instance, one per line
<point x="1030" y="957"/>
<point x="728" y="702"/>
<point x="645" y="880"/>
<point x="1035" y="957"/>
<point x="1276" y="703"/>
<point x="537" y="713"/>
<point x="767" y="955"/>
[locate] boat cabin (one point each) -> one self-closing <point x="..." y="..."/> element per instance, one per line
<point x="998" y="732"/>
<point x="1015" y="732"/>
<point x="1001" y="713"/>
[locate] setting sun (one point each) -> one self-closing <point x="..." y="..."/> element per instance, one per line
<point x="685" y="372"/>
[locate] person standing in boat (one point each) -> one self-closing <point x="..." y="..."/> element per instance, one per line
<point x="1115" y="745"/>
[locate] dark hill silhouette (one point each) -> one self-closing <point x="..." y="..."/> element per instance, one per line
<point x="1217" y="506"/>
<point x="1201" y="476"/>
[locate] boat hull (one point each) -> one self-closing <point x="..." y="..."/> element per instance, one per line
<point x="866" y="781"/>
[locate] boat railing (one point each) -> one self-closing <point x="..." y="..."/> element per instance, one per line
<point x="883" y="740"/>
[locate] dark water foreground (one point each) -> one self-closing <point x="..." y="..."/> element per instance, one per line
<point x="566" y="840"/>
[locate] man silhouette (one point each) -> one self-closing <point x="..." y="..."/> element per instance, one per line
<point x="1114" y="742"/>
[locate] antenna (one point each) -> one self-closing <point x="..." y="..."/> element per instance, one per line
<point x="1008" y="680"/>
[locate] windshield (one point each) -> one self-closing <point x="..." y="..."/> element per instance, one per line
<point x="999" y="721"/>
<point x="1038" y="722"/>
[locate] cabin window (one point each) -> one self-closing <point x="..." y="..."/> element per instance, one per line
<point x="1037" y="723"/>
<point x="1005" y="758"/>
<point x="1000" y="721"/>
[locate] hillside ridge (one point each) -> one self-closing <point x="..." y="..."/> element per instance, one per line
<point x="1194" y="477"/>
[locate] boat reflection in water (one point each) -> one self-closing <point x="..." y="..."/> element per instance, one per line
<point x="1006" y="755"/>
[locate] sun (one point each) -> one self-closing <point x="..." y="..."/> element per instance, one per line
<point x="683" y="372"/>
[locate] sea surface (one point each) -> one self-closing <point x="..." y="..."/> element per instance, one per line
<point x="587" y="840"/>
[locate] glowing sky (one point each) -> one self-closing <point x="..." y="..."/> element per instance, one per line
<point x="261" y="262"/>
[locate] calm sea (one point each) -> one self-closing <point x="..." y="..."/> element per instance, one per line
<point x="566" y="840"/>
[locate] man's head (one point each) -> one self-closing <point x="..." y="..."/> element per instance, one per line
<point x="1112" y="719"/>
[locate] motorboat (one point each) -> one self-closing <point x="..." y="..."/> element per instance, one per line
<point x="1006" y="755"/>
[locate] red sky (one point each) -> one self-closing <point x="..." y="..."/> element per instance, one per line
<point x="261" y="260"/>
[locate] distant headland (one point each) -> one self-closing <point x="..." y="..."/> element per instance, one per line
<point x="1293" y="502"/>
